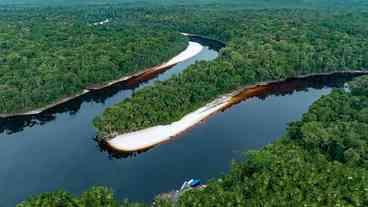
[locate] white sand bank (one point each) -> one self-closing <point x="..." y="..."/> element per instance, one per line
<point x="149" y="137"/>
<point x="192" y="50"/>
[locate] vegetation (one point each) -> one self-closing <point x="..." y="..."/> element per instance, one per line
<point x="45" y="57"/>
<point x="47" y="54"/>
<point x="325" y="4"/>
<point x="321" y="161"/>
<point x="95" y="197"/>
<point x="261" y="45"/>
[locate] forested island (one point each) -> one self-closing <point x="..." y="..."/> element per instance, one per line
<point x="46" y="57"/>
<point x="320" y="161"/>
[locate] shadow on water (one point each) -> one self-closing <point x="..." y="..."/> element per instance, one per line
<point x="114" y="154"/>
<point x="293" y="85"/>
<point x="18" y="123"/>
<point x="283" y="88"/>
<point x="212" y="44"/>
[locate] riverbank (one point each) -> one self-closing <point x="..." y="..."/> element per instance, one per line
<point x="190" y="35"/>
<point x="149" y="137"/>
<point x="192" y="50"/>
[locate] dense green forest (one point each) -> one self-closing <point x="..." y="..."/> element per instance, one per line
<point x="233" y="4"/>
<point x="261" y="45"/>
<point x="94" y="197"/>
<point x="46" y="56"/>
<point x="321" y="161"/>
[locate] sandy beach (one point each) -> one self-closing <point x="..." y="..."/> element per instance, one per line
<point x="149" y="137"/>
<point x="192" y="50"/>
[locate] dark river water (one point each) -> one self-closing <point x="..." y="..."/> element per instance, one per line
<point x="57" y="150"/>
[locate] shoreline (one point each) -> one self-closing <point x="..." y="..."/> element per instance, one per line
<point x="190" y="51"/>
<point x="190" y="35"/>
<point x="152" y="136"/>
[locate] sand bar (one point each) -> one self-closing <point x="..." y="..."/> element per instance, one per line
<point x="149" y="137"/>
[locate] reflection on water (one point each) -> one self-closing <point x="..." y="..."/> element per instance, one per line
<point x="17" y="124"/>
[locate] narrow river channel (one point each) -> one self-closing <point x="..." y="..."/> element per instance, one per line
<point x="58" y="151"/>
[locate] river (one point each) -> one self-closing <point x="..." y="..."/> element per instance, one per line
<point x="57" y="150"/>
